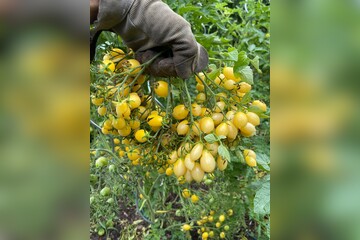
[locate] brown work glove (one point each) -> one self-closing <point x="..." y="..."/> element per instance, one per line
<point x="150" y="26"/>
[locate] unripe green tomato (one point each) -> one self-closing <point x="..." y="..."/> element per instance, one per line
<point x="92" y="199"/>
<point x="208" y="182"/>
<point x="101" y="232"/>
<point x="105" y="191"/>
<point x="109" y="223"/>
<point x="110" y="200"/>
<point x="178" y="213"/>
<point x="211" y="200"/>
<point x="226" y="227"/>
<point x="93" y="178"/>
<point x="112" y="168"/>
<point x="101" y="162"/>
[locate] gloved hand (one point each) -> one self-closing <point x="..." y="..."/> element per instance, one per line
<point x="150" y="26"/>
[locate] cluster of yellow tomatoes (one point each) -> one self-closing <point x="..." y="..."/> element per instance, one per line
<point x="210" y="225"/>
<point x="175" y="134"/>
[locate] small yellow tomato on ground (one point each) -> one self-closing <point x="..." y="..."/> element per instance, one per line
<point x="218" y="224"/>
<point x="161" y="88"/>
<point x="222" y="218"/>
<point x="222" y="235"/>
<point x="116" y="141"/>
<point x="194" y="198"/>
<point x="186" y="227"/>
<point x="185" y="193"/>
<point x="141" y="135"/>
<point x="205" y="235"/>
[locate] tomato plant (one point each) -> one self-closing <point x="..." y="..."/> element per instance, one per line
<point x="184" y="159"/>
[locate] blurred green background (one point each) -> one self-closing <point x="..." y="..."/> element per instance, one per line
<point x="315" y="57"/>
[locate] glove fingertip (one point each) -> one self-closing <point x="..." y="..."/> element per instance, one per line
<point x="202" y="59"/>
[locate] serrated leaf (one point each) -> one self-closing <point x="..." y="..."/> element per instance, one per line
<point x="255" y="63"/>
<point x="232" y="54"/>
<point x="263" y="160"/>
<point x="246" y="74"/>
<point x="242" y="61"/>
<point x="224" y="153"/>
<point x="262" y="199"/>
<point x="210" y="138"/>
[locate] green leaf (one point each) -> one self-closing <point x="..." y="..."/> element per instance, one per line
<point x="262" y="199"/>
<point x="239" y="157"/>
<point x="242" y="61"/>
<point x="263" y="160"/>
<point x="232" y="54"/>
<point x="224" y="153"/>
<point x="246" y="74"/>
<point x="246" y="98"/>
<point x="214" y="72"/>
<point x="210" y="138"/>
<point x="255" y="63"/>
